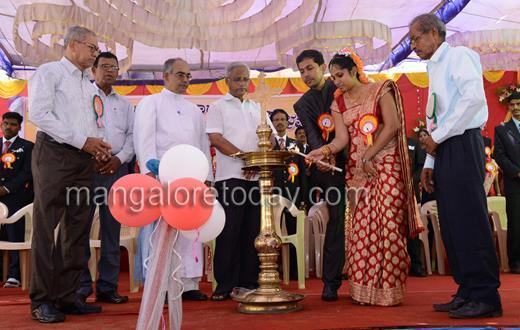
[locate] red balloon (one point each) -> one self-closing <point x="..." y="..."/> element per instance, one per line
<point x="188" y="204"/>
<point x="135" y="200"/>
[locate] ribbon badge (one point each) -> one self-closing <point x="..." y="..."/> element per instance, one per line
<point x="326" y="124"/>
<point x="293" y="171"/>
<point x="491" y="166"/>
<point x="368" y="125"/>
<point x="431" y="112"/>
<point x="8" y="159"/>
<point x="99" y="110"/>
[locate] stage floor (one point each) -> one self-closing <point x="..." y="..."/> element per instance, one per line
<point x="416" y="312"/>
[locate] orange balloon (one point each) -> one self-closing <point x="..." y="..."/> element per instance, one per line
<point x="188" y="204"/>
<point x="135" y="199"/>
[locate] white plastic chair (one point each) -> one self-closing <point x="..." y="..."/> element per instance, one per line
<point x="127" y="239"/>
<point x="429" y="210"/>
<point x="297" y="239"/>
<point x="497" y="211"/>
<point x="24" y="248"/>
<point x="319" y="217"/>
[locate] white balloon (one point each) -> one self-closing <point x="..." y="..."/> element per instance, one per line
<point x="211" y="229"/>
<point x="183" y="161"/>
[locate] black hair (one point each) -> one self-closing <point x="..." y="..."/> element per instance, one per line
<point x="514" y="96"/>
<point x="313" y="54"/>
<point x="298" y="128"/>
<point x="277" y="111"/>
<point x="344" y="62"/>
<point x="13" y="115"/>
<point x="422" y="129"/>
<point x="104" y="55"/>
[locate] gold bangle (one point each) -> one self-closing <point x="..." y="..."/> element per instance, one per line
<point x="325" y="151"/>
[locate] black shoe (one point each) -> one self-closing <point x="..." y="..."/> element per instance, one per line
<point x="111" y="297"/>
<point x="454" y="304"/>
<point x="329" y="294"/>
<point x="514" y="270"/>
<point x="417" y="272"/>
<point x="80" y="308"/>
<point x="474" y="310"/>
<point x="46" y="313"/>
<point x="195" y="295"/>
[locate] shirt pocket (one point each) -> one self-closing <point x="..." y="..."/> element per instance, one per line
<point x="119" y="119"/>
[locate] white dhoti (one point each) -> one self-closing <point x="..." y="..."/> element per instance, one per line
<point x="192" y="255"/>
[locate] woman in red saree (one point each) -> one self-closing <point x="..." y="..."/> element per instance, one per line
<point x="369" y="121"/>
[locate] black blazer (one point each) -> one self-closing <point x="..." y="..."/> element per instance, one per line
<point x="18" y="179"/>
<point x="281" y="176"/>
<point x="507" y="155"/>
<point x="417" y="157"/>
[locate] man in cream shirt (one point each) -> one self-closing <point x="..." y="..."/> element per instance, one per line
<point x="163" y="121"/>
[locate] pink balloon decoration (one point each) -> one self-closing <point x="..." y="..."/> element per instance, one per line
<point x="188" y="204"/>
<point x="134" y="200"/>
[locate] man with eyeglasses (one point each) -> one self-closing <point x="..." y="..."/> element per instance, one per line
<point x="118" y="126"/>
<point x="455" y="168"/>
<point x="231" y="127"/>
<point x="163" y="121"/>
<point x="61" y="103"/>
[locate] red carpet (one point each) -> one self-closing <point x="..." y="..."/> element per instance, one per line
<point x="415" y="312"/>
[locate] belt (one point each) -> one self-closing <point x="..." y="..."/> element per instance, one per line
<point x="47" y="138"/>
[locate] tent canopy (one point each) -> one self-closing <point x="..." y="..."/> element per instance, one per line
<point x="265" y="34"/>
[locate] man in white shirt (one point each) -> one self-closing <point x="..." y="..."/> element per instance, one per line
<point x="61" y="103"/>
<point x="163" y="121"/>
<point x="231" y="127"/>
<point x="118" y="126"/>
<point x="454" y="168"/>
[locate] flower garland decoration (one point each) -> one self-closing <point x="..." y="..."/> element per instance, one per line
<point x="504" y="92"/>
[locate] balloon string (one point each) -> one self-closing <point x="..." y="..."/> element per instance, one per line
<point x="194" y="246"/>
<point x="163" y="322"/>
<point x="147" y="259"/>
<point x="177" y="268"/>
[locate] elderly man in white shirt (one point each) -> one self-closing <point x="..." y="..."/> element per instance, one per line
<point x="118" y="126"/>
<point x="231" y="126"/>
<point x="61" y="99"/>
<point x="163" y="121"/>
<point x="454" y="168"/>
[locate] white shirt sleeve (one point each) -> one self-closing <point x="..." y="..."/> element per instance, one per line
<point x="42" y="95"/>
<point x="127" y="151"/>
<point x="429" y="162"/>
<point x="466" y="73"/>
<point x="145" y="132"/>
<point x="214" y="121"/>
<point x="204" y="144"/>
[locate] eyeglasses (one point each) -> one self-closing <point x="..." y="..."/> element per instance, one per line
<point x="415" y="39"/>
<point x="93" y="48"/>
<point x="240" y="79"/>
<point x="109" y="67"/>
<point x="183" y="75"/>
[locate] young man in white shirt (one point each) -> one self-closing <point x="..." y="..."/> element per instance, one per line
<point x="454" y="168"/>
<point x="231" y="127"/>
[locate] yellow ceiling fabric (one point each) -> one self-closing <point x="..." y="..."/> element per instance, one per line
<point x="124" y="90"/>
<point x="273" y="82"/>
<point x="418" y="79"/>
<point x="384" y="76"/>
<point x="198" y="89"/>
<point x="222" y="86"/>
<point x="299" y="85"/>
<point x="11" y="87"/>
<point x="493" y="76"/>
<point x="154" y="89"/>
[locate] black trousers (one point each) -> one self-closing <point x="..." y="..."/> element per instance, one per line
<point x="332" y="190"/>
<point x="62" y="180"/>
<point x="236" y="261"/>
<point x="466" y="232"/>
<point x="110" y="230"/>
<point x="513" y="230"/>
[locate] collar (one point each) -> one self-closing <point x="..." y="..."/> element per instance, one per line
<point x="10" y="140"/>
<point x="278" y="137"/>
<point x="229" y="97"/>
<point x="112" y="92"/>
<point x="166" y="91"/>
<point x="440" y="52"/>
<point x="516" y="121"/>
<point x="71" y="68"/>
